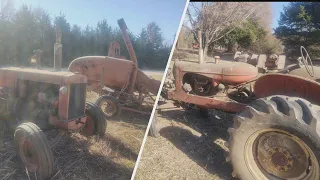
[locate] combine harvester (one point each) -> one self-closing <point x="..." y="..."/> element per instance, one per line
<point x="119" y="82"/>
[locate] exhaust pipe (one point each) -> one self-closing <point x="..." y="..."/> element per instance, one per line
<point x="57" y="51"/>
<point x="133" y="57"/>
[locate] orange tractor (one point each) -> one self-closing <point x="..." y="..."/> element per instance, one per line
<point x="276" y="131"/>
<point x="35" y="100"/>
<point x="121" y="84"/>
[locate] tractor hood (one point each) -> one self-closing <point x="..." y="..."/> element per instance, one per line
<point x="9" y="74"/>
<point x="228" y="73"/>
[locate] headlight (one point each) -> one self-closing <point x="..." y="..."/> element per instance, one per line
<point x="63" y="90"/>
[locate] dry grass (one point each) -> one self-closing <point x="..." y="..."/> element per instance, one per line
<point x="156" y="74"/>
<point x="190" y="147"/>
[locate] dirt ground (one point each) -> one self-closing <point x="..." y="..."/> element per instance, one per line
<point x="80" y="158"/>
<point x="190" y="146"/>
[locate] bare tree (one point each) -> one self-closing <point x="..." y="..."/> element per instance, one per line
<point x="6" y="7"/>
<point x="213" y="18"/>
<point x="263" y="14"/>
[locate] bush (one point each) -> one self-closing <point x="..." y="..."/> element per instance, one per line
<point x="314" y="51"/>
<point x="268" y="45"/>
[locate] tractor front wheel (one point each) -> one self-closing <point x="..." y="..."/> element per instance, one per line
<point x="95" y="124"/>
<point x="109" y="105"/>
<point x="34" y="150"/>
<point x="276" y="138"/>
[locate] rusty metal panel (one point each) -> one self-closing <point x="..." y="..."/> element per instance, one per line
<point x="51" y="77"/>
<point x="146" y="84"/>
<point x="229" y="73"/>
<point x="116" y="71"/>
<point x="289" y="85"/>
<point x="207" y="102"/>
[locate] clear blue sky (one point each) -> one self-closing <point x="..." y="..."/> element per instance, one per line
<point x="136" y="13"/>
<point x="277" y="8"/>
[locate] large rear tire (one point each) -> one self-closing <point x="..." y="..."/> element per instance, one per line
<point x="276" y="138"/>
<point x="34" y="150"/>
<point x="96" y="123"/>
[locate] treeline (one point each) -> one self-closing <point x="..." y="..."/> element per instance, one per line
<point x="299" y="25"/>
<point x="27" y="29"/>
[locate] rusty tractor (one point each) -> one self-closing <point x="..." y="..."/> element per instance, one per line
<point x="119" y="82"/>
<point x="276" y="131"/>
<point x="37" y="100"/>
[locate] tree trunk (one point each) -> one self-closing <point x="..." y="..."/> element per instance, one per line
<point x="205" y="52"/>
<point x="230" y="46"/>
<point x="201" y="58"/>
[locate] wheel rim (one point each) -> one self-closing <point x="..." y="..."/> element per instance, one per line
<point x="88" y="128"/>
<point x="28" y="154"/>
<point x="108" y="107"/>
<point x="281" y="155"/>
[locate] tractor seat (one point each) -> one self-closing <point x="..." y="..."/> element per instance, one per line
<point x="227" y="73"/>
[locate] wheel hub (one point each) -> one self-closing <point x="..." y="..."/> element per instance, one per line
<point x="108" y="107"/>
<point x="27" y="155"/>
<point x="282" y="155"/>
<point x="281" y="158"/>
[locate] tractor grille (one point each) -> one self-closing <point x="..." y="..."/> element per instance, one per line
<point x="77" y="100"/>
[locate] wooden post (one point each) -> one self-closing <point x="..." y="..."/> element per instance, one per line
<point x="201" y="59"/>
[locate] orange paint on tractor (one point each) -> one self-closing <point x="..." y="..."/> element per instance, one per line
<point x="113" y="71"/>
<point x="229" y="73"/>
<point x="12" y="77"/>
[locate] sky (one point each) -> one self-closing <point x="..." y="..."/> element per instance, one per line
<point x="136" y="13"/>
<point x="277" y="8"/>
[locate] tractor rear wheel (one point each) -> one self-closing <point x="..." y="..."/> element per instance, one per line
<point x="154" y="130"/>
<point x="34" y="150"/>
<point x="96" y="124"/>
<point x="109" y="105"/>
<point x="277" y="137"/>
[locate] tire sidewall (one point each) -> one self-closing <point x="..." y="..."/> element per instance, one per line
<point x="114" y="100"/>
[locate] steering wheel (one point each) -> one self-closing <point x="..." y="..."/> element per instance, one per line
<point x="305" y="61"/>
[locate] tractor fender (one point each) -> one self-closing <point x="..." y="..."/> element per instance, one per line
<point x="288" y="85"/>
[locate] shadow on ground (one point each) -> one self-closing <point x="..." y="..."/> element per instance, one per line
<point x="77" y="157"/>
<point x="203" y="150"/>
<point x="139" y="121"/>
